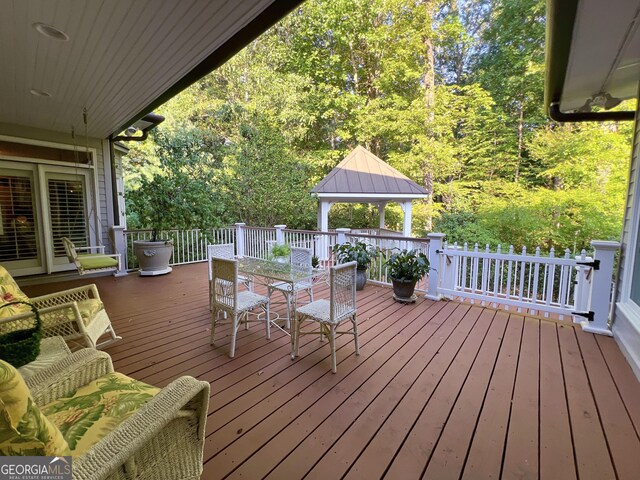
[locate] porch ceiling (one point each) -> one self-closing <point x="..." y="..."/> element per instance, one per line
<point x="592" y="47"/>
<point x="123" y="57"/>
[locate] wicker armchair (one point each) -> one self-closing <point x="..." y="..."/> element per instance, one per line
<point x="301" y="261"/>
<point x="329" y="314"/>
<point x="237" y="305"/>
<point x="77" y="314"/>
<point x="162" y="439"/>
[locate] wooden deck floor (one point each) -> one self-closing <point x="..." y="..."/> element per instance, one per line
<point x="441" y="389"/>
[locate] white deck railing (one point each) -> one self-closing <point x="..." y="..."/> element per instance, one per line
<point x="566" y="287"/>
<point x="534" y="282"/>
<point x="189" y="246"/>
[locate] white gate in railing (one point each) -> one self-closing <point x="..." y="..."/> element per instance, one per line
<point x="578" y="287"/>
<point x="538" y="283"/>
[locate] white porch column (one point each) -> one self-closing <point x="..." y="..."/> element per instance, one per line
<point x="406" y="221"/>
<point x="381" y="213"/>
<point x="601" y="287"/>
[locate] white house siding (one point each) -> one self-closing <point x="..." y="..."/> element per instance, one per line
<point x="103" y="193"/>
<point x="626" y="319"/>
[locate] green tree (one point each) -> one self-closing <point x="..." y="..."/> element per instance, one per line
<point x="179" y="195"/>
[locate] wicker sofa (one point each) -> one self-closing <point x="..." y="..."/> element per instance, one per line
<point x="77" y="314"/>
<point x="116" y="427"/>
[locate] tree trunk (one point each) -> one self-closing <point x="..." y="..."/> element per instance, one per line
<point x="429" y="81"/>
<point x="520" y="139"/>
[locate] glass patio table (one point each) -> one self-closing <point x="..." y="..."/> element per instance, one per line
<point x="266" y="272"/>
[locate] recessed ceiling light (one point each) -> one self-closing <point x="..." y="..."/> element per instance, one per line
<point x="39" y="93"/>
<point x="50" y="31"/>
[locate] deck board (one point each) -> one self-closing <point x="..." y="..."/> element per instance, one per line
<point x="451" y="450"/>
<point x="618" y="429"/>
<point x="590" y="446"/>
<point x="556" y="452"/>
<point x="521" y="453"/>
<point x="440" y="389"/>
<point x="484" y="459"/>
<point x="415" y="452"/>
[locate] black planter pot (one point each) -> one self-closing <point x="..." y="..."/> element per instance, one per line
<point x="403" y="289"/>
<point x="361" y="278"/>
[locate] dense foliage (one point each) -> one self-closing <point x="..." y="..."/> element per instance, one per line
<point x="358" y="252"/>
<point x="450" y="92"/>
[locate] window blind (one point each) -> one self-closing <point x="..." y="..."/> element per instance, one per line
<point x="18" y="234"/>
<point x="68" y="213"/>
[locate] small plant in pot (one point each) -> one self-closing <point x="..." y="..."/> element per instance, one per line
<point x="355" y="252"/>
<point x="280" y="252"/>
<point x="405" y="268"/>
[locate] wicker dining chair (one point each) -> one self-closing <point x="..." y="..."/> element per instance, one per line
<point x="237" y="305"/>
<point x="301" y="262"/>
<point x="224" y="250"/>
<point x="329" y="314"/>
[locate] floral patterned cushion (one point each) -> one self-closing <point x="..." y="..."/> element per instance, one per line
<point x="24" y="430"/>
<point x="88" y="310"/>
<point x="5" y="277"/>
<point x="10" y="292"/>
<point x="87" y="415"/>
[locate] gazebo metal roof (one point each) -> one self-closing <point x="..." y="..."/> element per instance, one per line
<point x="363" y="177"/>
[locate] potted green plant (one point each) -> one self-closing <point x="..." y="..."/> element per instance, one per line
<point x="355" y="252"/>
<point x="177" y="197"/>
<point x="280" y="252"/>
<point x="405" y="268"/>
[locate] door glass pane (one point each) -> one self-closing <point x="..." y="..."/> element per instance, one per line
<point x="18" y="222"/>
<point x="68" y="212"/>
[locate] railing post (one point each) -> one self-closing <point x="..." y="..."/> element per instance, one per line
<point x="280" y="234"/>
<point x="342" y="235"/>
<point x="240" y="239"/>
<point x="119" y="242"/>
<point x="600" y="298"/>
<point x="435" y="246"/>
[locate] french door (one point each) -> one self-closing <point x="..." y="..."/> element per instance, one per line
<point x="40" y="204"/>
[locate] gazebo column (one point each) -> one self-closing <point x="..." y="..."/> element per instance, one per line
<point x="322" y="249"/>
<point x="406" y="221"/>
<point x="323" y="215"/>
<point x="381" y="213"/>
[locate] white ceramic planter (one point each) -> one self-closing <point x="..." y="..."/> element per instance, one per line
<point x="153" y="257"/>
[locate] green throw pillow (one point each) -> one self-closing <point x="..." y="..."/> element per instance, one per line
<point x="21" y="346"/>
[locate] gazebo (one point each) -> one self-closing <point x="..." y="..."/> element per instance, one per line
<point x="364" y="178"/>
